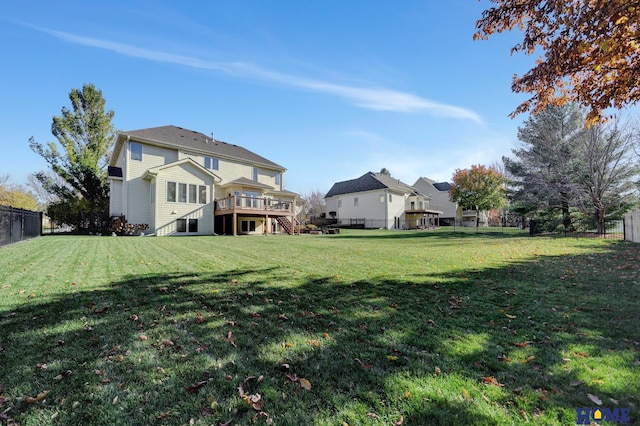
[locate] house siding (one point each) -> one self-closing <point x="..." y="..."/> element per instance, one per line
<point x="165" y="223"/>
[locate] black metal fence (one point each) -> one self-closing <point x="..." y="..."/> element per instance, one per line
<point x="613" y="229"/>
<point x="18" y="224"/>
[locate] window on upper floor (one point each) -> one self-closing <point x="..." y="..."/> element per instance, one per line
<point x="389" y="197"/>
<point x="255" y="174"/>
<point x="382" y="198"/>
<point x="339" y="203"/>
<point x="136" y="151"/>
<point x="211" y="163"/>
<point x="355" y="202"/>
<point x="278" y="178"/>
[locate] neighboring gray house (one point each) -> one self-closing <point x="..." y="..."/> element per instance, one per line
<point x="376" y="200"/>
<point x="452" y="213"/>
<point x="181" y="182"/>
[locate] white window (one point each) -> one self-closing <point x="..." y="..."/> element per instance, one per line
<point x="193" y="193"/>
<point x="202" y="194"/>
<point x="255" y="174"/>
<point x="171" y="192"/>
<point x="136" y="151"/>
<point x="211" y="163"/>
<point x="389" y="197"/>
<point x="355" y="202"/>
<point x="278" y="177"/>
<point x="182" y="192"/>
<point x="382" y="198"/>
<point x="152" y="193"/>
<point x="339" y="203"/>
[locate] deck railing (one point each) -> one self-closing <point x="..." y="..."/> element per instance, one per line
<point x="242" y="202"/>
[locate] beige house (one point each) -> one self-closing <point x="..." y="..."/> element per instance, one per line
<point x="452" y="213"/>
<point x="376" y="200"/>
<point x="175" y="181"/>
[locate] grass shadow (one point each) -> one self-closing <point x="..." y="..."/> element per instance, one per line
<point x="523" y="343"/>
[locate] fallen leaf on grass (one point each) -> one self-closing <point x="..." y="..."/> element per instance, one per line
<point x="305" y="384"/>
<point x="490" y="380"/>
<point x="163" y="415"/>
<point x="363" y="365"/>
<point x="230" y="339"/>
<point x="103" y="310"/>
<point x="199" y="318"/>
<point x="466" y="395"/>
<point x="195" y="387"/>
<point x="595" y="399"/>
<point x="576" y="383"/>
<point x="37" y="398"/>
<point x="373" y="416"/>
<point x="521" y="344"/>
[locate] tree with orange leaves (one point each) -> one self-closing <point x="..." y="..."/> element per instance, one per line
<point x="480" y="187"/>
<point x="591" y="51"/>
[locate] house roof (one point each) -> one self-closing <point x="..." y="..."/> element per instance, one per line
<point x="192" y="140"/>
<point x="152" y="172"/>
<point x="247" y="182"/>
<point x="369" y="182"/>
<point x="442" y="186"/>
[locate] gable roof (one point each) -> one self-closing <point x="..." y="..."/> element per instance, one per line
<point x="369" y="182"/>
<point x="152" y="172"/>
<point x="440" y="186"/>
<point x="178" y="137"/>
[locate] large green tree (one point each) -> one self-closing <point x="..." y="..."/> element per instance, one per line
<point x="479" y="187"/>
<point x="543" y="166"/>
<point x="563" y="166"/>
<point x="85" y="137"/>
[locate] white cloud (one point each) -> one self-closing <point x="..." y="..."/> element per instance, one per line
<point x="374" y="98"/>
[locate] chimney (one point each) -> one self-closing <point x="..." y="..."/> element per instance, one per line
<point x="213" y="139"/>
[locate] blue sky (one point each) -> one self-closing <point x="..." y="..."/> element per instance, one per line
<point x="330" y="90"/>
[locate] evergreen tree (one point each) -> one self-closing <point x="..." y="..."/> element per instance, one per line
<point x="85" y="137"/>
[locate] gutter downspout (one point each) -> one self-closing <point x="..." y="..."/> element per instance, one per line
<point x="125" y="177"/>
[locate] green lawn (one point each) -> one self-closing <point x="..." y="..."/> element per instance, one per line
<point x="363" y="327"/>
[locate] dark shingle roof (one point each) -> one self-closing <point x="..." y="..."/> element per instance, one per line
<point x="189" y="139"/>
<point x="368" y="182"/>
<point x="442" y="186"/>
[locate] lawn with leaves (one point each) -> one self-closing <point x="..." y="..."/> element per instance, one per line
<point x="363" y="327"/>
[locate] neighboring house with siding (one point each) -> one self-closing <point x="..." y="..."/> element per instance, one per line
<point x="376" y="200"/>
<point x="181" y="182"/>
<point x="452" y="213"/>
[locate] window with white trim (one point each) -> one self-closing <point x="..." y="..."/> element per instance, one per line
<point x="255" y="174"/>
<point x="182" y="192"/>
<point x="135" y="149"/>
<point x="211" y="163"/>
<point x="355" y="202"/>
<point x="172" y="192"/>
